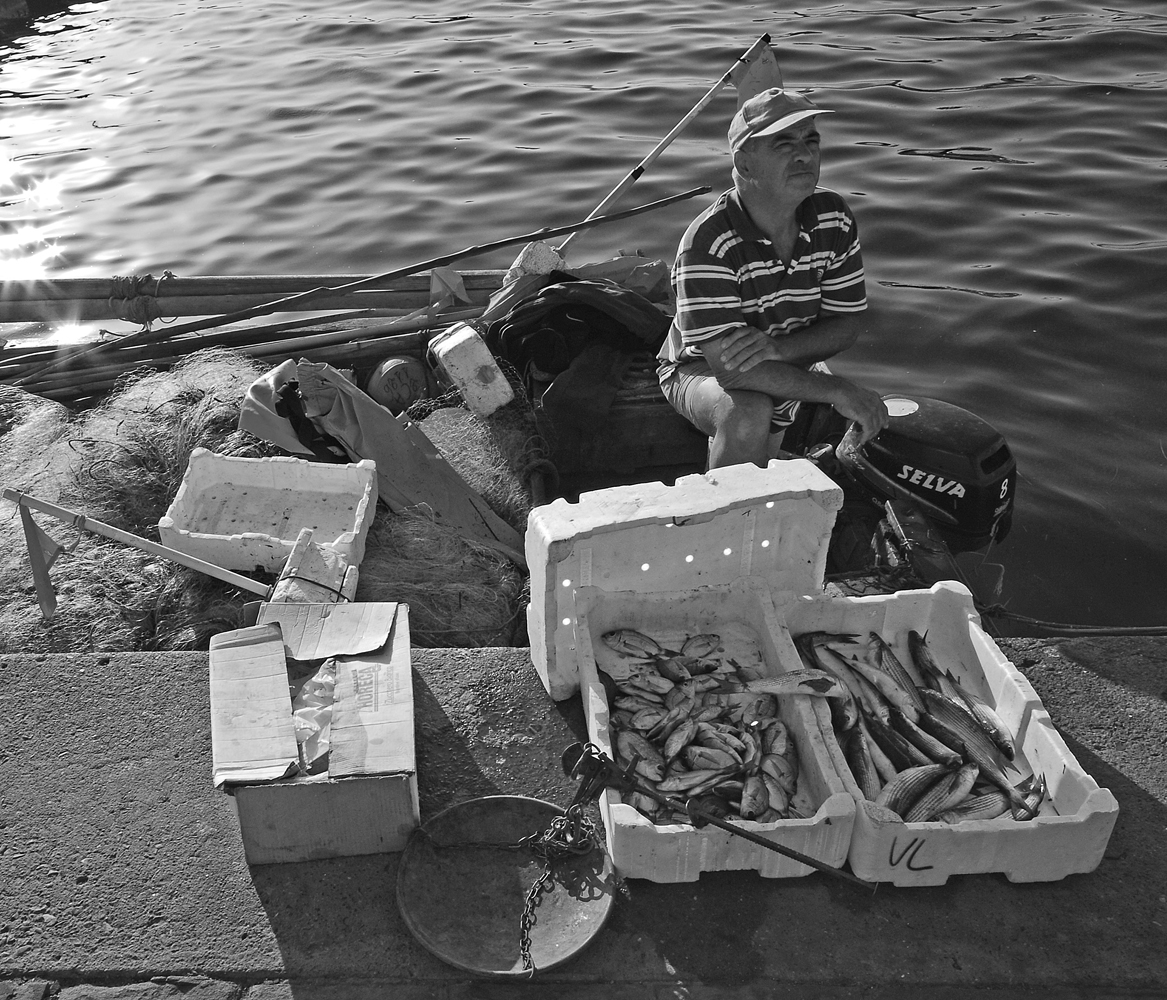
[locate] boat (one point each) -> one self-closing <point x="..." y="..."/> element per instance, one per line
<point x="937" y="483"/>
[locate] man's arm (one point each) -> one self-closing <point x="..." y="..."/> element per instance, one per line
<point x="786" y="379"/>
<point x="744" y="347"/>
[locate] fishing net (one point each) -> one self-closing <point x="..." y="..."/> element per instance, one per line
<point x="122" y="463"/>
<point x="459" y="594"/>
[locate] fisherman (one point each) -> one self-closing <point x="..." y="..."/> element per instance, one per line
<point x="769" y="284"/>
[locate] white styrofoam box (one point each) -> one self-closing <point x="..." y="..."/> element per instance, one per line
<point x="640" y="848"/>
<point x="465" y="360"/>
<point x="705" y="530"/>
<point x="244" y="513"/>
<point x="1072" y="828"/>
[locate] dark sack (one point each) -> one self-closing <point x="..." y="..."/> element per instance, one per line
<point x="545" y="333"/>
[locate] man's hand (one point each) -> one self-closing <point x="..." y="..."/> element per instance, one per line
<point x="746" y="346"/>
<point x="863" y="406"/>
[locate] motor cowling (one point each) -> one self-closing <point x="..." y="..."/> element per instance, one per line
<point x="954" y="465"/>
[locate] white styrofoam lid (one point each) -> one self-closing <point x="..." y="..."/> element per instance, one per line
<point x="705" y="530"/>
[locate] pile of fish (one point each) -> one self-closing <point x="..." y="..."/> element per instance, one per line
<point x="934" y="752"/>
<point x="689" y="722"/>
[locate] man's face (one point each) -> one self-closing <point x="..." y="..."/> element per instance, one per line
<point x="786" y="163"/>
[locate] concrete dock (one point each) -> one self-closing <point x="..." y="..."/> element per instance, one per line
<point x="122" y="873"/>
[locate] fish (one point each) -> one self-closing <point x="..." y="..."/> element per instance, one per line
<point x="700" y="645"/>
<point x="883" y="766"/>
<point x="905" y="788"/>
<point x="863" y="770"/>
<point x="975" y="745"/>
<point x="866" y="697"/>
<point x="990" y="805"/>
<point x="926" y="743"/>
<point x="679" y="738"/>
<point x="1034" y="796"/>
<point x="985" y="715"/>
<point x="709" y="737"/>
<point x="755" y="798"/>
<point x="942" y="795"/>
<point x="630" y="642"/>
<point x="890" y="664"/>
<point x="636" y="703"/>
<point x="634" y="687"/>
<point x="898" y="750"/>
<point x="673" y="668"/>
<point x="631" y="745"/>
<point x="816" y="683"/>
<point x="703" y="758"/>
<point x="648" y="680"/>
<point x="684" y="780"/>
<point x="887" y="686"/>
<point x="775" y="737"/>
<point x="781" y="769"/>
<point x="645" y="719"/>
<point x="779" y="798"/>
<point x="681" y="694"/>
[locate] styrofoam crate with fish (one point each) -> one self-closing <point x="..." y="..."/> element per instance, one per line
<point x="953" y="761"/>
<point x="779" y="775"/>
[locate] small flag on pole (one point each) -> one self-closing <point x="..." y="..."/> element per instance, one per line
<point x="760" y="73"/>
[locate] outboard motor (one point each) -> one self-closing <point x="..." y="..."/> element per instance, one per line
<point x="952" y="464"/>
<point x="937" y="481"/>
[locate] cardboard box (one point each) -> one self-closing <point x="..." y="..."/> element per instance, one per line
<point x="245" y="513"/>
<point x="366" y="803"/>
<point x="1072" y="829"/>
<point x="706" y="530"/>
<point x="640" y="848"/>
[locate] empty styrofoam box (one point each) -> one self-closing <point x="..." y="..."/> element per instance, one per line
<point x="640" y="848"/>
<point x="705" y="530"/>
<point x="1070" y="833"/>
<point x="245" y="513"/>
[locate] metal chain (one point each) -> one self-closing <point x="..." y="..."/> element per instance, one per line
<point x="571" y="835"/>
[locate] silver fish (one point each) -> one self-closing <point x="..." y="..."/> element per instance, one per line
<point x="700" y="645"/>
<point x="981" y="710"/>
<point x="889" y="663"/>
<point x="709" y="758"/>
<point x="905" y="788"/>
<point x="679" y="738"/>
<point x="631" y="745"/>
<point x="755" y="798"/>
<point x="629" y="642"/>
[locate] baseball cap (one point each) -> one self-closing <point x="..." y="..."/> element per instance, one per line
<point x="769" y="112"/>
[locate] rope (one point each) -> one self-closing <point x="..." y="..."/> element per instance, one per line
<point x="998" y="611"/>
<point x="130" y="300"/>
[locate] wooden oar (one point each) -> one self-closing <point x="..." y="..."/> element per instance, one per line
<point x="148" y="336"/>
<point x="743" y="61"/>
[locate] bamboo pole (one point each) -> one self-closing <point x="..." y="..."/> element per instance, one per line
<point x="385" y="339"/>
<point x="88" y="299"/>
<point x="149" y="336"/>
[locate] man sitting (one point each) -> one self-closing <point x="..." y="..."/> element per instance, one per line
<point x="769" y="284"/>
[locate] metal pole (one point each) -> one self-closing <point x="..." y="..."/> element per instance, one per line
<point x="634" y="174"/>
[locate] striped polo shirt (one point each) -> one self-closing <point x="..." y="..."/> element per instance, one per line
<point x="726" y="275"/>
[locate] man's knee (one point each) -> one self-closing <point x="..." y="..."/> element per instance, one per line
<point x="746" y="417"/>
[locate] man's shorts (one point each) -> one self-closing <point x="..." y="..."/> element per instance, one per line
<point x="686" y="389"/>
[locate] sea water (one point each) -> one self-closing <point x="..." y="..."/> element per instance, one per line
<point x="1006" y="162"/>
